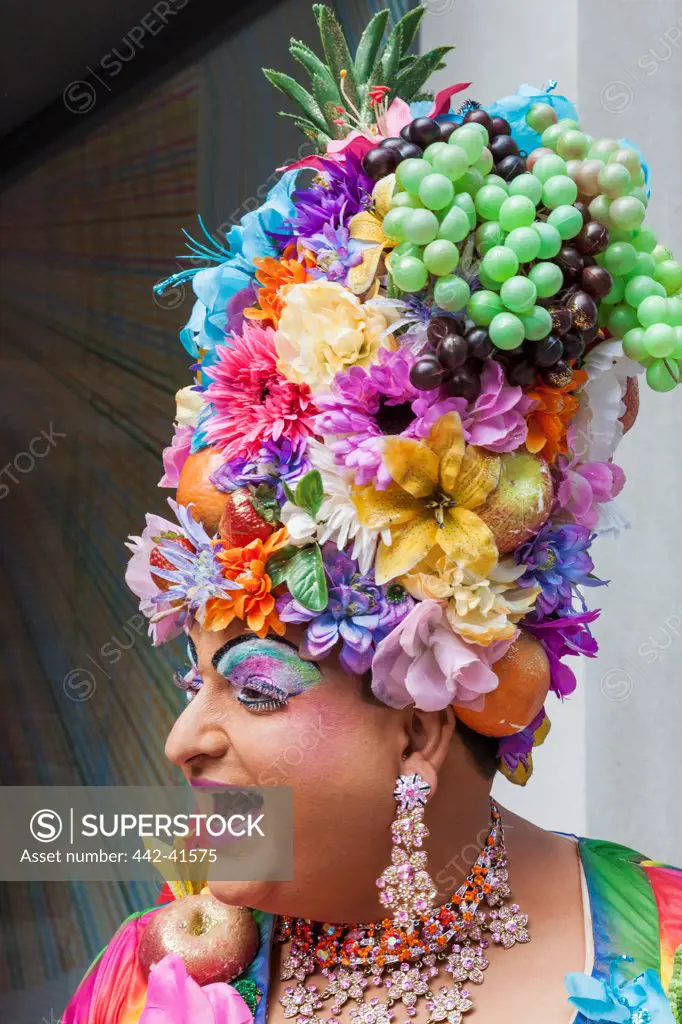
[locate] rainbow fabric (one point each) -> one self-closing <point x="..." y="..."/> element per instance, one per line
<point x="635" y="906"/>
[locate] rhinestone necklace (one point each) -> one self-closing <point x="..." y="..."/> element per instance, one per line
<point x="403" y="954"/>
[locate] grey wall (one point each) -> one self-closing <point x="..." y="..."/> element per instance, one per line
<point x="613" y="764"/>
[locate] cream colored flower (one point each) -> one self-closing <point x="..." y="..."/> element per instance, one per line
<point x="324" y="329"/>
<point x="189" y="404"/>
<point x="483" y="611"/>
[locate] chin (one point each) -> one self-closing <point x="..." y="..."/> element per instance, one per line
<point x="258" y="895"/>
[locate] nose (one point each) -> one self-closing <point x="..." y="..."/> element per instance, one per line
<point x="196" y="734"/>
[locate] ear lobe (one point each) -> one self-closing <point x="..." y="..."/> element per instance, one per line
<point x="429" y="735"/>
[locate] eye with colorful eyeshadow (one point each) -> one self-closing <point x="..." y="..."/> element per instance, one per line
<point x="265" y="674"/>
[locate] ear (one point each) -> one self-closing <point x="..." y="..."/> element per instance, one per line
<point x="428" y="736"/>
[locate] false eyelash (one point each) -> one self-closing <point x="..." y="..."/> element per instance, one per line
<point x="192" y="651"/>
<point x="261" y="706"/>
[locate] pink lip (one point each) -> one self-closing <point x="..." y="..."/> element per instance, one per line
<point x="215" y="785"/>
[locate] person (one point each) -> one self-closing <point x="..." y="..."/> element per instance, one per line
<point x="411" y="377"/>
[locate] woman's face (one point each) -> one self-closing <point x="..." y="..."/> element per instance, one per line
<point x="265" y="717"/>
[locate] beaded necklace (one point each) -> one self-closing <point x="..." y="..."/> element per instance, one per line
<point x="403" y="954"/>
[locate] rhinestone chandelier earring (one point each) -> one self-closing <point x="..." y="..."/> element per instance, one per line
<point x="405" y="887"/>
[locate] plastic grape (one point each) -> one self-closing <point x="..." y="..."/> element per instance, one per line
<point x="501" y="263"/>
<point x="517" y="212"/>
<point x="603" y="148"/>
<point x="550" y="239"/>
<point x="621" y="320"/>
<point x="506" y="331"/>
<point x="436" y="191"/>
<point x="495" y="179"/>
<point x="463" y="201"/>
<point x="484" y="306"/>
<point x="540" y="117"/>
<point x="441" y="257"/>
<point x="519" y="294"/>
<point x="487" y="281"/>
<point x="450" y="161"/>
<point x="452" y="293"/>
<point x="395" y="224"/>
<point x="627" y="212"/>
<point x="406" y="199"/>
<point x="551" y="135"/>
<point x="526" y="185"/>
<point x="659" y="340"/>
<point x="669" y="273"/>
<point x="537" y="324"/>
<point x="600" y="209"/>
<point x="524" y="242"/>
<point x="422" y="226"/>
<point x="614" y="180"/>
<point x="677" y="351"/>
<point x="568" y="123"/>
<point x="411" y="172"/>
<point x="628" y="158"/>
<point x="567" y="220"/>
<point x="640" y="193"/>
<point x="487" y="236"/>
<point x="548" y="166"/>
<point x="633" y="344"/>
<point x="476" y="126"/>
<point x="645" y="265"/>
<point x="572" y="145"/>
<point x="641" y="287"/>
<point x="470" y="140"/>
<point x="409" y="274"/>
<point x="436" y="147"/>
<point x="663" y="375"/>
<point x="486" y="162"/>
<point x="660" y="252"/>
<point x="559" y="190"/>
<point x="470" y="182"/>
<point x="675" y="315"/>
<point x="616" y="294"/>
<point x="455" y="226"/>
<point x="407" y="249"/>
<point x="620" y="258"/>
<point x="489" y="200"/>
<point x="547" y="278"/>
<point x="653" y="310"/>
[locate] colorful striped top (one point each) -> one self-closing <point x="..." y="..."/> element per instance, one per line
<point x="633" y="907"/>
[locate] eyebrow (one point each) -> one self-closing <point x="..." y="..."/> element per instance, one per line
<point x="240" y="640"/>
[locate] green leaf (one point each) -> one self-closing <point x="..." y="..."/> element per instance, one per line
<point x="336" y="50"/>
<point x="391" y="58"/>
<point x="288" y="492"/>
<point x="277" y="565"/>
<point x="328" y="101"/>
<point x="408" y="27"/>
<point x="306" y="580"/>
<point x="310" y="492"/>
<point x="265" y="503"/>
<point x="291" y="88"/>
<point x="411" y="81"/>
<point x="321" y="139"/>
<point x="312" y="63"/>
<point x="368" y="47"/>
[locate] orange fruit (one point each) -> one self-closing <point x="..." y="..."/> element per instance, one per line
<point x="524" y="678"/>
<point x="195" y="488"/>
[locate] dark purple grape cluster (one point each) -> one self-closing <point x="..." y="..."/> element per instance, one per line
<point x="414" y="139"/>
<point x="452" y="358"/>
<point x="508" y="160"/>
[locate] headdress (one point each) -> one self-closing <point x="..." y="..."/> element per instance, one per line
<point x="412" y="367"/>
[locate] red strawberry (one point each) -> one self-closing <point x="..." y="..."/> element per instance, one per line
<point x="241" y="522"/>
<point x="159" y="561"/>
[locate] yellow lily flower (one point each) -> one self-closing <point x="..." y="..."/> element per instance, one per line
<point x="368" y="226"/>
<point x="437" y="485"/>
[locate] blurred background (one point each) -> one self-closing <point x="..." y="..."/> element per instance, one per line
<point x="119" y="123"/>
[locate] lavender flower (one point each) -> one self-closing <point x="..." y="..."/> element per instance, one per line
<point x="339" y="189"/>
<point x="359" y="613"/>
<point x="279" y="462"/>
<point x="336" y="251"/>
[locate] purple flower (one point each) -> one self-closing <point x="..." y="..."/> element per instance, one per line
<point x="336" y="251"/>
<point x="359" y="613"/>
<point x="345" y="190"/>
<point x="496" y="420"/>
<point x="557" y="559"/>
<point x="366" y="404"/>
<point x="279" y="462"/>
<point x="562" y="637"/>
<point x="515" y="752"/>
<point x="583" y="486"/>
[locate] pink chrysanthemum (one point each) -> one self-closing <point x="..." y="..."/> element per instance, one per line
<point x="252" y="401"/>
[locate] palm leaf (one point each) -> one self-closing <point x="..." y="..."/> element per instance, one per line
<point x="368" y="47"/>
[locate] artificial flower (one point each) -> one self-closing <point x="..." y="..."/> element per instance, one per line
<point x="175" y="455"/>
<point x="515" y="108"/>
<point x="437" y="485"/>
<point x="254" y="602"/>
<point x="597" y="429"/>
<point x="515" y="752"/>
<point x="189" y="403"/>
<point x="424" y="662"/>
<point x="557" y="559"/>
<point x="336" y="253"/>
<point x="368" y="227"/>
<point x="496" y="419"/>
<point x="563" y="636"/>
<point x="274" y="276"/>
<point x="277" y="463"/>
<point x="173" y="996"/>
<point x="620" y="999"/>
<point x="583" y="487"/>
<point x="358" y="614"/>
<point x="193" y="572"/>
<point x="252" y="401"/>
<point x="338" y="191"/>
<point x="323" y="330"/>
<point x="548" y="420"/>
<point x="484" y="611"/>
<point x="138" y="578"/>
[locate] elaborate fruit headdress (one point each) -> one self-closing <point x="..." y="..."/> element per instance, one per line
<point x="411" y="374"/>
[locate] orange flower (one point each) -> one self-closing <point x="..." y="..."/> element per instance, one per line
<point x="273" y="276"/>
<point x="548" y="420"/>
<point x="255" y="602"/>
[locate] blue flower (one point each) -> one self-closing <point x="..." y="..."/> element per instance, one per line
<point x="514" y="109"/>
<point x="621" y="1001"/>
<point x="557" y="559"/>
<point x="279" y="462"/>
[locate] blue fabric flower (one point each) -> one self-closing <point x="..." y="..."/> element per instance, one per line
<point x="621" y="1001"/>
<point x="557" y="559"/>
<point x="514" y="109"/>
<point x="214" y="287"/>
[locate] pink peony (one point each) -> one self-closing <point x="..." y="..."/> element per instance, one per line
<point x="584" y="486"/>
<point x="253" y="402"/>
<point x="175" y="455"/>
<point x="497" y="419"/>
<point x="423" y="662"/>
<point x="175" y="998"/>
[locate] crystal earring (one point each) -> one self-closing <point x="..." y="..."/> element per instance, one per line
<point x="406" y="887"/>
